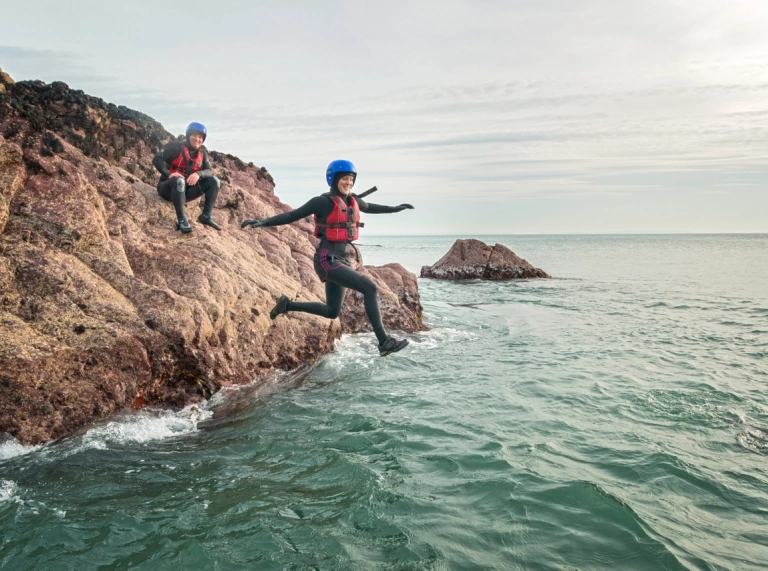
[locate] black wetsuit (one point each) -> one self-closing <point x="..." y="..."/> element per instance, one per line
<point x="174" y="189"/>
<point x="333" y="261"/>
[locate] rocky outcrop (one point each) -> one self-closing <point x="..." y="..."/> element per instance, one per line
<point x="472" y="259"/>
<point x="104" y="305"/>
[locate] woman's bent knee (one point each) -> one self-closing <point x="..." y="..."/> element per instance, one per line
<point x="370" y="288"/>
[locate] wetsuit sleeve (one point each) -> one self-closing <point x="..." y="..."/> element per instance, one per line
<point x="319" y="205"/>
<point x="370" y="208"/>
<point x="206" y="171"/>
<point x="165" y="156"/>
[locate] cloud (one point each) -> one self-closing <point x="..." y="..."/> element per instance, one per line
<point x="549" y="103"/>
<point x="48" y="65"/>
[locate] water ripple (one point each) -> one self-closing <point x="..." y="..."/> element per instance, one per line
<point x="613" y="418"/>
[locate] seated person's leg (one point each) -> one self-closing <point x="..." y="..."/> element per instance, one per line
<point x="211" y="190"/>
<point x="173" y="190"/>
<point x="209" y="187"/>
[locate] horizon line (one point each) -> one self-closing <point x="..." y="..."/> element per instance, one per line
<point x="640" y="233"/>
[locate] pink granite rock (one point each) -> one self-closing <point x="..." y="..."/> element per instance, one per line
<point x="472" y="259"/>
<point x="104" y="305"/>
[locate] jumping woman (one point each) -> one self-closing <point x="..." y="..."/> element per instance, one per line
<point x="337" y="219"/>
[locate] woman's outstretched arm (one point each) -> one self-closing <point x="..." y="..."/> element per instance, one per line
<point x="319" y="205"/>
<point x="370" y="208"/>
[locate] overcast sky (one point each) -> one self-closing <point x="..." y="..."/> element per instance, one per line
<point x="543" y="116"/>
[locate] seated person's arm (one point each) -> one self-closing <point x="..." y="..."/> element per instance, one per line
<point x="165" y="156"/>
<point x="206" y="170"/>
<point x="160" y="165"/>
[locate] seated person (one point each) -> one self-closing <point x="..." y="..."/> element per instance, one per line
<point x="186" y="174"/>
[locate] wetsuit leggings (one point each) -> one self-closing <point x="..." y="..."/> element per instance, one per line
<point x="177" y="191"/>
<point x="337" y="280"/>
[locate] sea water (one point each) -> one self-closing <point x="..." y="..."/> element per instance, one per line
<point x="612" y="417"/>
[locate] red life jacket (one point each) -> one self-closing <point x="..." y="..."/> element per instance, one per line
<point x="179" y="164"/>
<point x="339" y="226"/>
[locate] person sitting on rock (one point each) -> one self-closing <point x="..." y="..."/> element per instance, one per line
<point x="337" y="219"/>
<point x="186" y="174"/>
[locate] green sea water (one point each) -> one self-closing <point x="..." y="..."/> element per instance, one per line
<point x="612" y="417"/>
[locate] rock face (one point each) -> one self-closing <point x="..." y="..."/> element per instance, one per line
<point x="399" y="301"/>
<point x="104" y="305"/>
<point x="474" y="260"/>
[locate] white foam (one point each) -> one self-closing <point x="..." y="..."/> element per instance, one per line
<point x="12" y="448"/>
<point x="447" y="335"/>
<point x="8" y="489"/>
<point x="352" y="350"/>
<point x="358" y="350"/>
<point x="145" y="426"/>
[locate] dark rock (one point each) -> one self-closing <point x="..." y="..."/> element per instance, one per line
<point x="472" y="259"/>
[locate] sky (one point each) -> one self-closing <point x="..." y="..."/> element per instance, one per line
<point x="490" y="117"/>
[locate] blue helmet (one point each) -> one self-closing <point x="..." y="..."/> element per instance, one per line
<point x="339" y="167"/>
<point x="197" y="127"/>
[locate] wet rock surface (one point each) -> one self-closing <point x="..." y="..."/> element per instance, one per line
<point x="472" y="259"/>
<point x="104" y="305"/>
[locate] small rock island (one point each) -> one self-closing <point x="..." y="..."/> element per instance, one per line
<point x="472" y="259"/>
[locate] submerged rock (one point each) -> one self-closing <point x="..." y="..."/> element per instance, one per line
<point x="472" y="259"/>
<point x="104" y="305"/>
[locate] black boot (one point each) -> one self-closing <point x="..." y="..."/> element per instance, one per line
<point x="280" y="307"/>
<point x="391" y="345"/>
<point x="208" y="221"/>
<point x="183" y="225"/>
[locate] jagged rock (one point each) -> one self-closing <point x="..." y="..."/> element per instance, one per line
<point x="104" y="305"/>
<point x="472" y="259"/>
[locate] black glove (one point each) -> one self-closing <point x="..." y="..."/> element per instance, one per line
<point x="402" y="207"/>
<point x="253" y="222"/>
